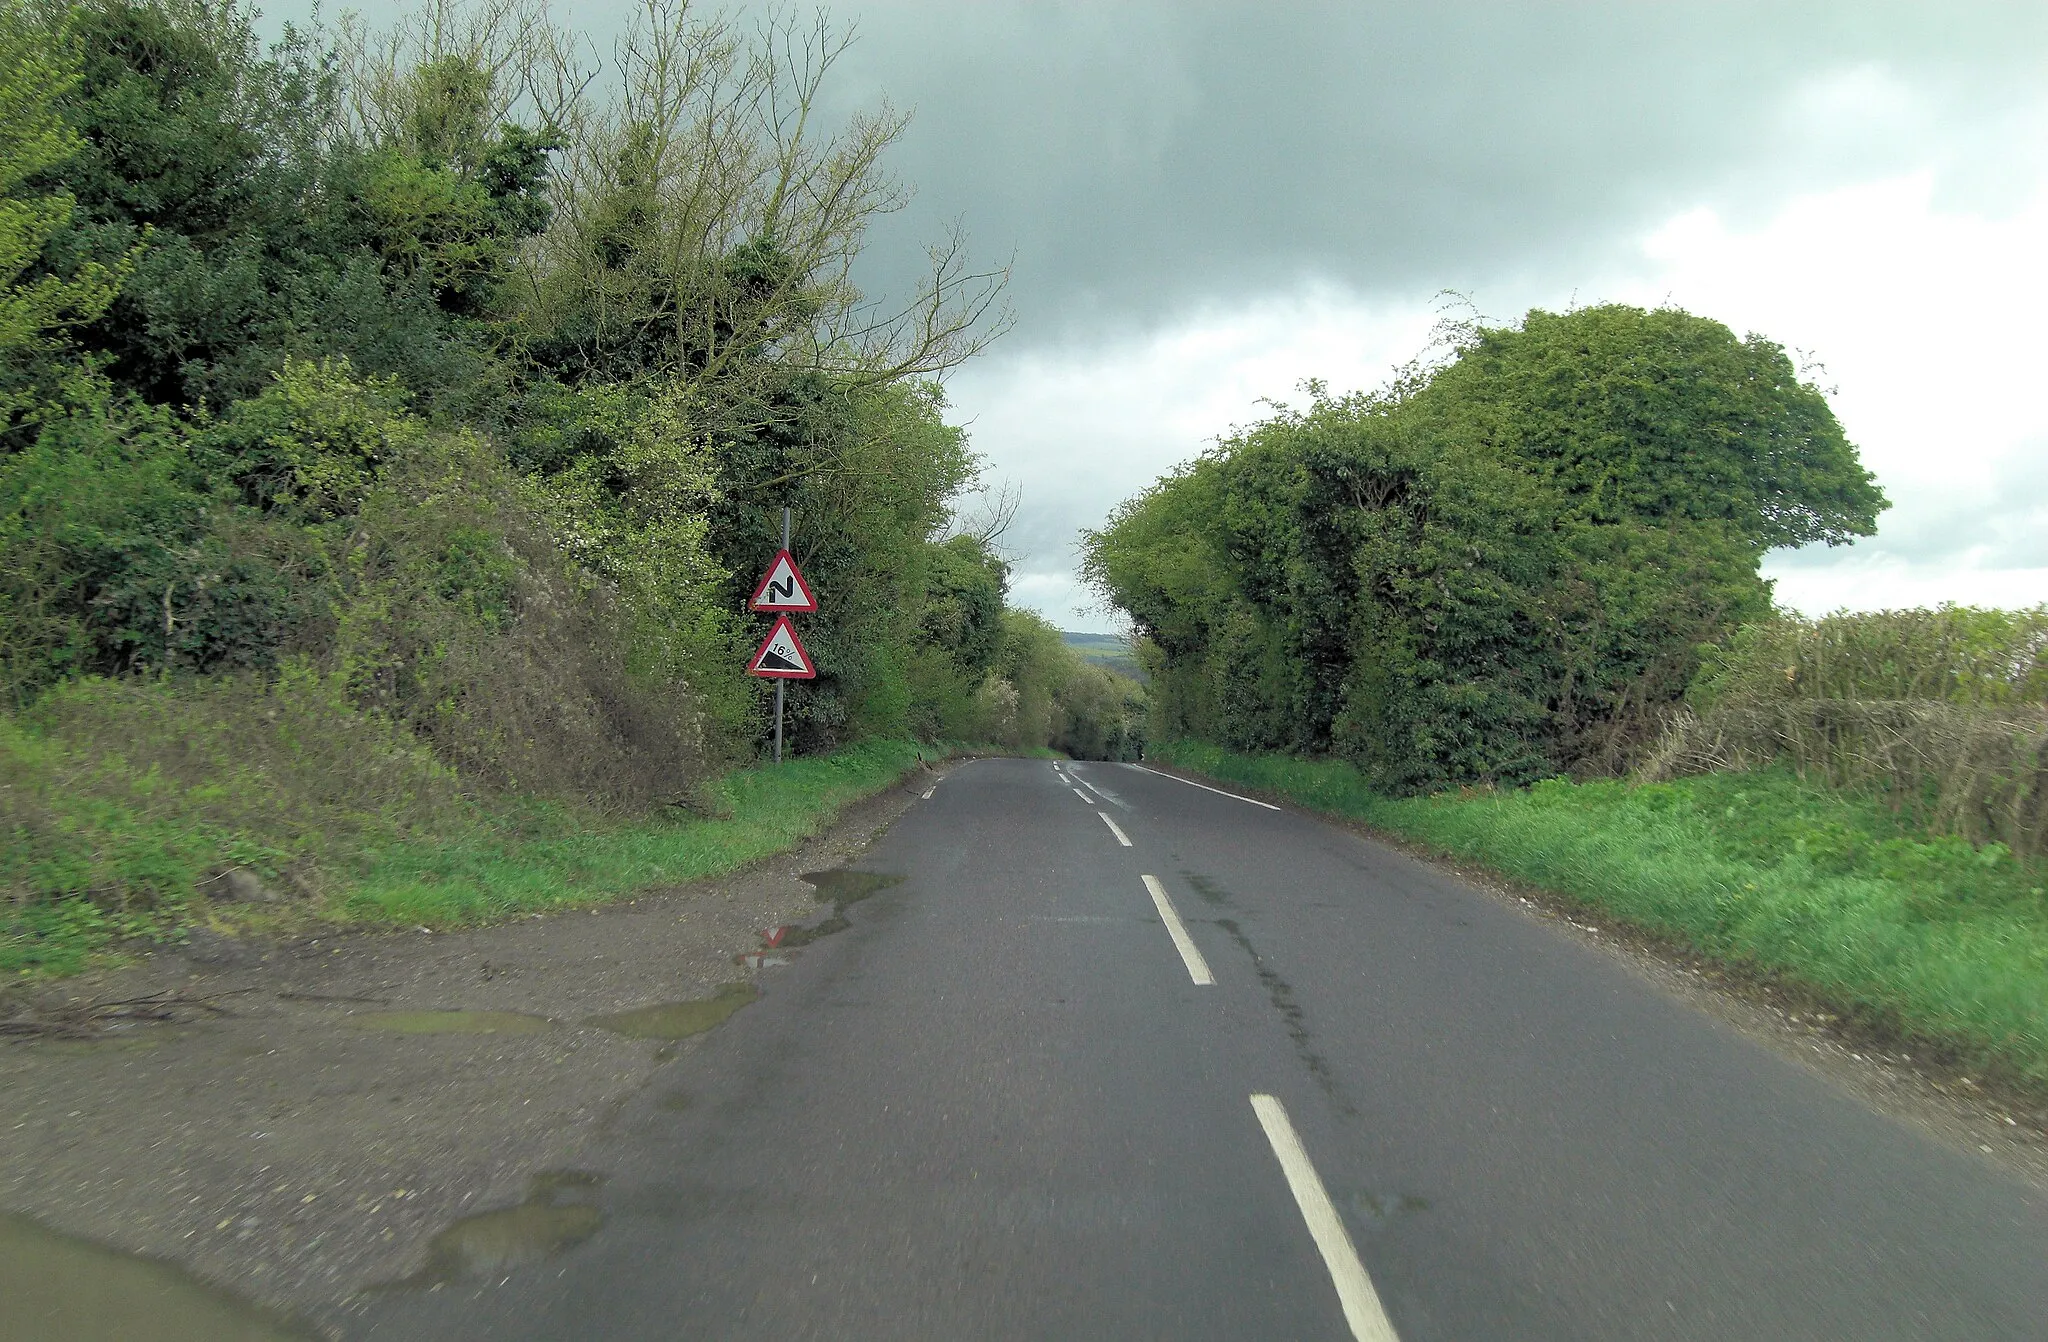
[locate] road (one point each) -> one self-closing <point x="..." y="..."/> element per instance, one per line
<point x="1001" y="1105"/>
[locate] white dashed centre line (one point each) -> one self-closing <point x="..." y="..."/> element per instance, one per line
<point x="1121" y="837"/>
<point x="1190" y="954"/>
<point x="1362" y="1308"/>
<point x="1082" y="795"/>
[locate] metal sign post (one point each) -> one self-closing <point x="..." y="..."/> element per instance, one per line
<point x="779" y="684"/>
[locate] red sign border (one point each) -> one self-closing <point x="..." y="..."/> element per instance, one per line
<point x="801" y="586"/>
<point x="754" y="662"/>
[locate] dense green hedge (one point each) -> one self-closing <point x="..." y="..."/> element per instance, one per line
<point x="1495" y="571"/>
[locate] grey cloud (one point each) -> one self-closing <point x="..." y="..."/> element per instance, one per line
<point x="1143" y="155"/>
<point x="1140" y="157"/>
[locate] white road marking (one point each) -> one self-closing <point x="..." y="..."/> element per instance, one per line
<point x="1101" y="792"/>
<point x="1362" y="1308"/>
<point x="1082" y="795"/>
<point x="1190" y="955"/>
<point x="1204" y="786"/>
<point x="930" y="790"/>
<point x="1121" y="837"/>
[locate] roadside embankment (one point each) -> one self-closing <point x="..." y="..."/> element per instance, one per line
<point x="134" y="817"/>
<point x="1913" y="936"/>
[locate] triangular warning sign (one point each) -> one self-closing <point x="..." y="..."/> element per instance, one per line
<point x="784" y="588"/>
<point x="781" y="656"/>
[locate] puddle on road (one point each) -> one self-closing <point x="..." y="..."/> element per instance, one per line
<point x="841" y="889"/>
<point x="450" y="1022"/>
<point x="804" y="936"/>
<point x="556" y="1215"/>
<point x="678" y="1020"/>
<point x="58" y="1289"/>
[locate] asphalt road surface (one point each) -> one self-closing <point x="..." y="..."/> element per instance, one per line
<point x="1007" y="1103"/>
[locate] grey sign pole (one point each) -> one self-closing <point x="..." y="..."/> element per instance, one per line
<point x="778" y="683"/>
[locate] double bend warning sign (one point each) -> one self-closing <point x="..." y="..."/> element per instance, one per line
<point x="783" y="588"/>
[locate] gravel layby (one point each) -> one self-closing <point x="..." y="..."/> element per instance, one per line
<point x="221" y="1107"/>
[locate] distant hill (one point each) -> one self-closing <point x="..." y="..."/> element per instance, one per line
<point x="1112" y="650"/>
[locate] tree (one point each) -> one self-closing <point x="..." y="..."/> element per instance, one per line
<point x="34" y="140"/>
<point x="1659" y="415"/>
<point x="1493" y="571"/>
<point x="705" y="223"/>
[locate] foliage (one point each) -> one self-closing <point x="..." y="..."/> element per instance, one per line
<point x="1498" y="571"/>
<point x="414" y="388"/>
<point x="1939" y="711"/>
<point x="118" y="797"/>
<point x="34" y="139"/>
<point x="754" y="812"/>
<point x="1041" y="692"/>
<point x="259" y="231"/>
<point x="1956" y="654"/>
<point x="1918" y="934"/>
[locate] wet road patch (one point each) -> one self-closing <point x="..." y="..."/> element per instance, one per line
<point x="678" y="1020"/>
<point x="450" y="1022"/>
<point x="842" y="889"/>
<point x="558" y="1214"/>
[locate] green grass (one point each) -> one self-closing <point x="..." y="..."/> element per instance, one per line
<point x="769" y="809"/>
<point x="92" y="869"/>
<point x="1919" y="935"/>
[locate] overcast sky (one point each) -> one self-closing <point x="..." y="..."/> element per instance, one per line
<point x="1208" y="203"/>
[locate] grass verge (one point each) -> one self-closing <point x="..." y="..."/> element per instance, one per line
<point x="1918" y="936"/>
<point x="763" y="810"/>
<point x="100" y="867"/>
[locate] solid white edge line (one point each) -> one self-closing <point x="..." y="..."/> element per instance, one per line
<point x="1205" y="787"/>
<point x="1362" y="1308"/>
<point x="1121" y="837"/>
<point x="1190" y="954"/>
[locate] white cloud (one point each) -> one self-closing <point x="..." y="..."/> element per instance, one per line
<point x="1928" y="322"/>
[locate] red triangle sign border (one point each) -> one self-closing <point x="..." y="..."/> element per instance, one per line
<point x="803" y="669"/>
<point x="792" y="593"/>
